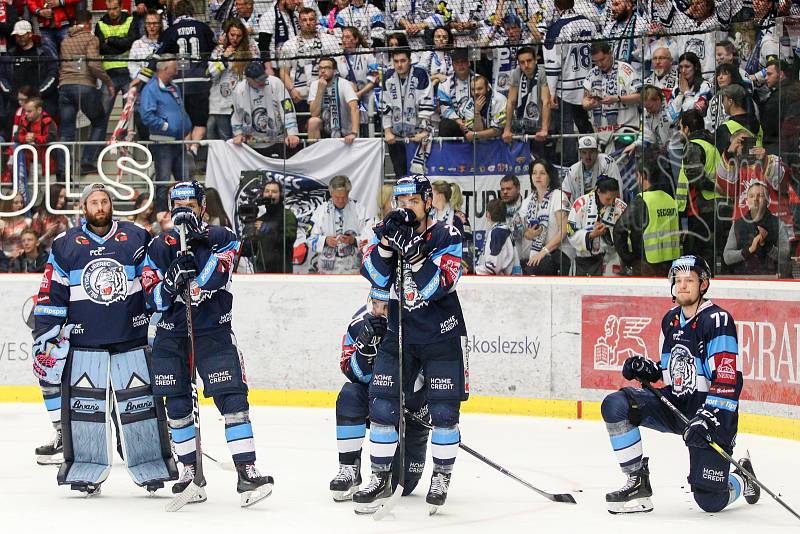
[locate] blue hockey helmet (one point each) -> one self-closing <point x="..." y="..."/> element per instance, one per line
<point x="414" y="184"/>
<point x="377" y="293"/>
<point x="186" y="190"/>
<point x="686" y="264"/>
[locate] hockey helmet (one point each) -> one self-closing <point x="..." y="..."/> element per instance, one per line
<point x="686" y="264"/>
<point x="186" y="190"/>
<point x="415" y="184"/>
<point x="377" y="293"/>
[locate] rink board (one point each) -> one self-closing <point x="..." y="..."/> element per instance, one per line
<point x="545" y="347"/>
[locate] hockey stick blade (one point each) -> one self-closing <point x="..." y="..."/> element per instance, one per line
<point x="387" y="507"/>
<point x="184" y="498"/>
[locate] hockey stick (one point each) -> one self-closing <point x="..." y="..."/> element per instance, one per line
<point x="555" y="497"/>
<point x="191" y="491"/>
<point x="646" y="385"/>
<point x="225" y="466"/>
<point x="387" y="507"/>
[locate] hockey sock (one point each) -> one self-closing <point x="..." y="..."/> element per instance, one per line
<point x="383" y="444"/>
<point x="183" y="434"/>
<point x="239" y="435"/>
<point x="735" y="485"/>
<point x="349" y="439"/>
<point x="444" y="446"/>
<point x="52" y="401"/>
<point x="626" y="440"/>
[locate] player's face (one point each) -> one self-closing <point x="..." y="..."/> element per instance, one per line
<point x="588" y="156"/>
<point x="722" y="55"/>
<point x="415" y="204"/>
<point x="402" y="64"/>
<point x="97" y="209"/>
<point x="527" y="63"/>
<point x="687" y="288"/>
<point x="380" y="308"/>
<point x="339" y="198"/>
<point x="189" y="203"/>
<point x="308" y="23"/>
<point x="509" y="192"/>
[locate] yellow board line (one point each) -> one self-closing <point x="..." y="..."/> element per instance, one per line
<point x="764" y="425"/>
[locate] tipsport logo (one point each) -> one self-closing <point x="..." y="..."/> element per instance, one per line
<point x="123" y="152"/>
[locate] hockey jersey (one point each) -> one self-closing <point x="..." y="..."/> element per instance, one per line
<point x="355" y="364"/>
<point x="499" y="256"/>
<point x="407" y="103"/>
<point x="566" y="56"/>
<point x="698" y="363"/>
<point x="193" y="42"/>
<point x="586" y="210"/>
<point x="431" y="309"/>
<point x="580" y="180"/>
<point x="368" y="19"/>
<point x="94" y="283"/>
<point x="211" y="298"/>
<point x="265" y="115"/>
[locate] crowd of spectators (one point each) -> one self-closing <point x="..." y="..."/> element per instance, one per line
<point x="698" y="95"/>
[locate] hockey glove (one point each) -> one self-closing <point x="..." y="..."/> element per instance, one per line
<point x="50" y="352"/>
<point x="398" y="235"/>
<point x="184" y="216"/>
<point x="701" y="428"/>
<point x="179" y="273"/>
<point x="401" y="216"/>
<point x="370" y="337"/>
<point x="641" y="368"/>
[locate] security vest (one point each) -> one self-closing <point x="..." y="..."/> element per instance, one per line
<point x="116" y="30"/>
<point x="709" y="185"/>
<point x="661" y="237"/>
<point x="734" y="127"/>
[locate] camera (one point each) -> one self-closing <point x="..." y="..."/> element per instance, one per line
<point x="748" y="144"/>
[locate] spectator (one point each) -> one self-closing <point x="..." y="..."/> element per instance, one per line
<point x="734" y="102"/>
<point x="699" y="23"/>
<point x="511" y="196"/>
<point x="437" y="62"/>
<point x="779" y="113"/>
<point x="298" y="74"/>
<point x="215" y="211"/>
<point x="419" y="18"/>
<point x="249" y="18"/>
<point x="726" y="54"/>
<point x="329" y="22"/>
<point x="12" y="226"/>
<point x="360" y="69"/>
<point x="276" y="231"/>
<point x="540" y="225"/>
<point x="276" y="27"/>
<point x="499" y="256"/>
<point x="228" y="61"/>
<point x="385" y="203"/>
<point x="489" y="112"/>
<point x="664" y="73"/>
<point x="469" y="21"/>
<point x="334" y="105"/>
<point x="626" y="31"/>
<point x="192" y="42"/>
<point x="37" y="128"/>
<point x="25" y="93"/>
<point x="29" y="259"/>
<point x="611" y="93"/>
<point x="504" y="53"/>
<point x="767" y="47"/>
<point x="582" y="177"/>
<point x="597" y="11"/>
<point x="147" y="217"/>
<point x="78" y="88"/>
<point x="528" y="106"/>
<point x="116" y="31"/>
<point x="273" y="131"/>
<point x="446" y="206"/>
<point x="591" y="220"/>
<point x="758" y="242"/>
<point x="692" y="91"/>
<point x="406" y="109"/>
<point x="336" y="226"/>
<point x="142" y="51"/>
<point x="726" y="75"/>
<point x="368" y="18"/>
<point x="567" y="64"/>
<point x="8" y="19"/>
<point x="657" y="131"/>
<point x="28" y="64"/>
<point x="164" y="115"/>
<point x="47" y="224"/>
<point x="647" y="236"/>
<point x="54" y="21"/>
<point x="455" y="97"/>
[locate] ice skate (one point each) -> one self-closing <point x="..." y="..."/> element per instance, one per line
<point x="635" y="495"/>
<point x="346" y="482"/>
<point x="52" y="452"/>
<point x="252" y="486"/>
<point x="379" y="489"/>
<point x="437" y="494"/>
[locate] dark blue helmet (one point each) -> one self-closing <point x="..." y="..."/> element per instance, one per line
<point x="186" y="190"/>
<point x="415" y="184"/>
<point x="689" y="263"/>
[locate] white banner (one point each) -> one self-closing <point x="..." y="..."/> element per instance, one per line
<point x="305" y="176"/>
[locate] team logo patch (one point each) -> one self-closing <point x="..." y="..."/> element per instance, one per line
<point x="149" y="278"/>
<point x="451" y="267"/>
<point x="170" y="241"/>
<point x="81" y="240"/>
<point x="726" y="368"/>
<point x="682" y="371"/>
<point x="105" y="281"/>
<point x="120" y="237"/>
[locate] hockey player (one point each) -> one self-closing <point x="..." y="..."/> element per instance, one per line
<point x="698" y="366"/>
<point x="91" y="329"/>
<point x="432" y="327"/>
<point x="359" y="348"/>
<point x="208" y="270"/>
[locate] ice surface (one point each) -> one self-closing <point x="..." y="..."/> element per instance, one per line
<point x="297" y="446"/>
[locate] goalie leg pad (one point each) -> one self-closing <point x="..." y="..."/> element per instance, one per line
<point x="85" y="418"/>
<point x="142" y="419"/>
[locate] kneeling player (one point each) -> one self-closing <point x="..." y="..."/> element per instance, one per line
<point x="208" y="270"/>
<point x="430" y="252"/>
<point x="698" y="366"/>
<point x="359" y="348"/>
<point x="91" y="329"/>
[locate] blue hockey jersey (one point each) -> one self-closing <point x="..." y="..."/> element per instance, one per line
<point x="94" y="282"/>
<point x="354" y="364"/>
<point x="698" y="363"/>
<point x="212" y="300"/>
<point x="432" y="311"/>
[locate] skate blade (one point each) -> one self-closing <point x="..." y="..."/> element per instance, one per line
<point x="55" y="459"/>
<point x="433" y="509"/>
<point x="193" y="494"/>
<point x="389" y="505"/>
<point x="642" y="505"/>
<point x="343" y="496"/>
<point x="249" y="498"/>
<point x="368" y="508"/>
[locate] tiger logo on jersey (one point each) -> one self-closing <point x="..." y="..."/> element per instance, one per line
<point x="682" y="371"/>
<point x="105" y="281"/>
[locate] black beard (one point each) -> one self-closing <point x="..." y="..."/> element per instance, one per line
<point x="98" y="222"/>
<point x="622" y="17"/>
<point x="272" y="207"/>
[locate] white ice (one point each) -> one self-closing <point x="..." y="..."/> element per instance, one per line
<point x="297" y="446"/>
